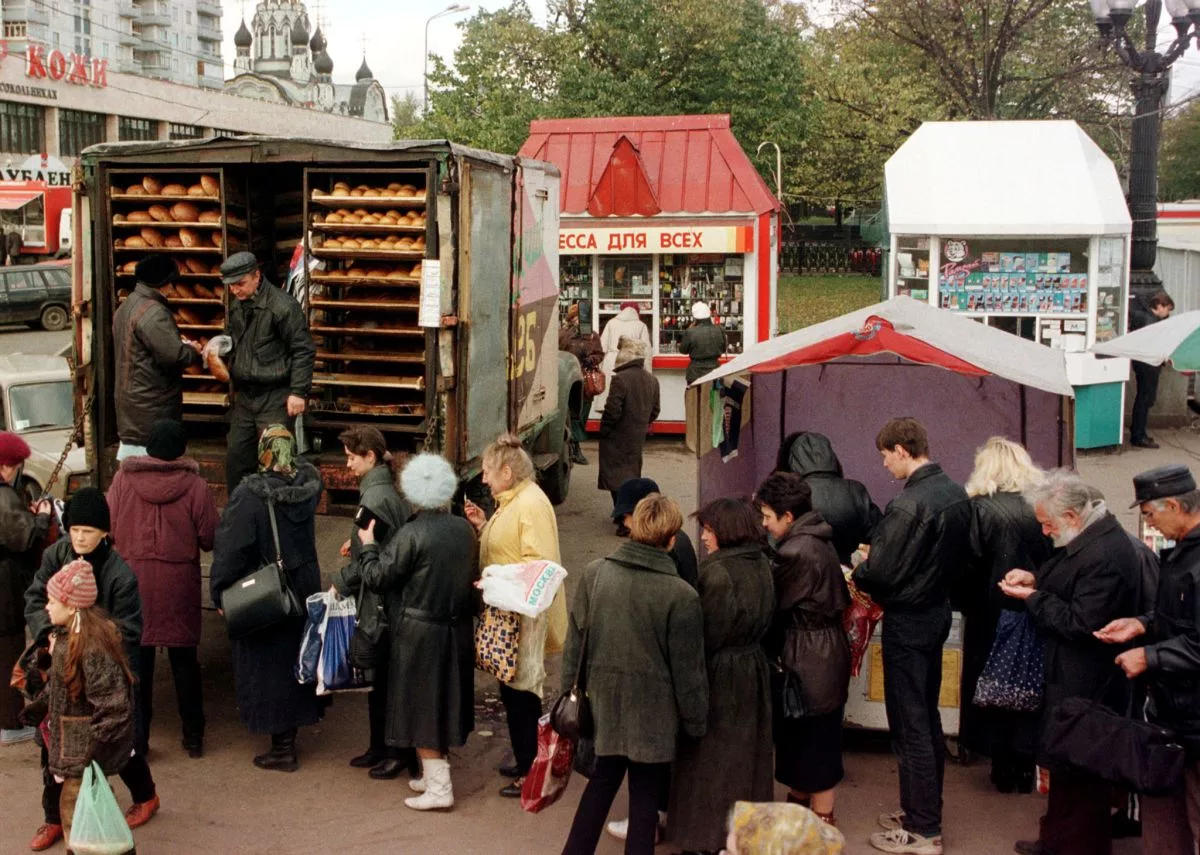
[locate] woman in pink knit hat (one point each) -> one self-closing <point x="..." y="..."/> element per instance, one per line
<point x="86" y="709"/>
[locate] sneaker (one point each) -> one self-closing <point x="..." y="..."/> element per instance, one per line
<point x="906" y="842"/>
<point x="17" y="735"/>
<point x="619" y="828"/>
<point x="891" y="821"/>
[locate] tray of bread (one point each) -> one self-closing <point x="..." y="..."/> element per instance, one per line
<point x="376" y="274"/>
<point x="372" y="381"/>
<point x="161" y="188"/>
<point x="346" y="220"/>
<point x="351" y="354"/>
<point x="370" y="194"/>
<point x="191" y="267"/>
<point x="367" y="247"/>
<point x="371" y="328"/>
<point x="209" y="397"/>
<point x="186" y="239"/>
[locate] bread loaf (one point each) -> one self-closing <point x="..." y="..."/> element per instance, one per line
<point x="211" y="186"/>
<point x="351" y="243"/>
<point x="357" y="272"/>
<point x="167" y="290"/>
<point x="188" y="317"/>
<point x="219" y="292"/>
<point x="174" y="190"/>
<point x="340" y="191"/>
<point x="218" y="240"/>
<point x="215" y="269"/>
<point x="331" y="243"/>
<point x="152" y="237"/>
<point x="184" y="291"/>
<point x="136" y="242"/>
<point x="341" y="185"/>
<point x="118" y="218"/>
<point x="129" y="266"/>
<point x="397" y="273"/>
<point x="151" y="185"/>
<point x="197" y="190"/>
<point x="217" y="367"/>
<point x="184" y="212"/>
<point x="122" y="293"/>
<point x="372" y="192"/>
<point x="336" y="273"/>
<point x="140" y="217"/>
<point x="173" y="242"/>
<point x="203" y="292"/>
<point x="190" y="237"/>
<point x="135" y="190"/>
<point x="333" y="218"/>
<point x="210" y="217"/>
<point x="195" y="265"/>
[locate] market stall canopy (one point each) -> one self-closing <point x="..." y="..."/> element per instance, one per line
<point x="14" y="200"/>
<point x="647" y="165"/>
<point x="1176" y="339"/>
<point x="917" y="332"/>
<point x="1003" y="178"/>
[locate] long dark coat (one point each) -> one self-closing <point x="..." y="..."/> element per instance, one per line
<point x="732" y="761"/>
<point x="20" y="530"/>
<point x="426" y="575"/>
<point x="1088" y="583"/>
<point x="163" y="515"/>
<point x="631" y="407"/>
<point x="268" y="696"/>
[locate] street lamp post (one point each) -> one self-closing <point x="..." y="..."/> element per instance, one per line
<point x="1149" y="88"/>
<point x="449" y="10"/>
<point x="778" y="167"/>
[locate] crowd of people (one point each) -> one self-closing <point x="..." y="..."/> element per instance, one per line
<point x="710" y="678"/>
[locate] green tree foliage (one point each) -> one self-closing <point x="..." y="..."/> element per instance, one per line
<point x="406" y="116"/>
<point x="1179" y="166"/>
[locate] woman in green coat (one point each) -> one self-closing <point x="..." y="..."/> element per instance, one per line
<point x="732" y="761"/>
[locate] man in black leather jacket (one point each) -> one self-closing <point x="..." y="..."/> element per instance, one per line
<point x="921" y="541"/>
<point x="271" y="365"/>
<point x="1142" y="313"/>
<point x="1170" y="658"/>
<point x="842" y="502"/>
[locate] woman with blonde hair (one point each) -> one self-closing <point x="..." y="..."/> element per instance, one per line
<point x="522" y="528"/>
<point x="1005" y="535"/>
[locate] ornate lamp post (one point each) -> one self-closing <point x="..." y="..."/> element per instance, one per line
<point x="1149" y="88"/>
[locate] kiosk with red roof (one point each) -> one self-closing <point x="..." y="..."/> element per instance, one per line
<point x="663" y="212"/>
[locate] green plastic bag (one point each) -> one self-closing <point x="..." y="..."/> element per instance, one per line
<point x="99" y="828"/>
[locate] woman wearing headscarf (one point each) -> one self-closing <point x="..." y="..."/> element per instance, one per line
<point x="269" y="698"/>
<point x="523" y="528"/>
<point x="426" y="575"/>
<point x="1005" y="535"/>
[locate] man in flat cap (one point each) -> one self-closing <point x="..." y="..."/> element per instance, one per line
<point x="150" y="357"/>
<point x="1170" y="656"/>
<point x="271" y="364"/>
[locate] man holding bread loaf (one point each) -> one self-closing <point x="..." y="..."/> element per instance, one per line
<point x="150" y="357"/>
<point x="270" y="363"/>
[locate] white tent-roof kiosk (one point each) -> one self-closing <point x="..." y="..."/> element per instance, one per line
<point x="1021" y="226"/>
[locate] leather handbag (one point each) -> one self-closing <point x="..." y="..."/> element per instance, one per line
<point x="497" y="637"/>
<point x="571" y="715"/>
<point x="594" y="382"/>
<point x="1136" y="755"/>
<point x="370" y="631"/>
<point x="264" y="598"/>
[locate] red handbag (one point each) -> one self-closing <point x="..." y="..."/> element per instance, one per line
<point x="594" y="382"/>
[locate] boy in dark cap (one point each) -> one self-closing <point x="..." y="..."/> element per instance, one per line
<point x="1170" y="653"/>
<point x="150" y="357"/>
<point x="271" y="365"/>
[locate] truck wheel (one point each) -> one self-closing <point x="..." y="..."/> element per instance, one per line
<point x="556" y="480"/>
<point x="54" y="318"/>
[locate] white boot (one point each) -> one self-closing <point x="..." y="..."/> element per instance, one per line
<point x="439" y="792"/>
<point x="417" y="785"/>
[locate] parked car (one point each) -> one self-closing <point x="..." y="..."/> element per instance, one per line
<point x="37" y="401"/>
<point x="36" y="294"/>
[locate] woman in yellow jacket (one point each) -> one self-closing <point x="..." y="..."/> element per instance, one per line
<point x="523" y="528"/>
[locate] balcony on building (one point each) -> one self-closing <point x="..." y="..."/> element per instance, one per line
<point x="154" y="18"/>
<point x="129" y="39"/>
<point x="208" y="34"/>
<point x="27" y="12"/>
<point x="152" y="41"/>
<point x="127" y="9"/>
<point x="208" y="8"/>
<point x="156" y="62"/>
<point x="129" y="66"/>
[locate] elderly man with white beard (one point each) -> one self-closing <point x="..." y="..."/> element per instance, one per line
<point x="1091" y="579"/>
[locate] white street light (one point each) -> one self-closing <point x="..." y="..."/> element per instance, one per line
<point x="449" y="10"/>
<point x="778" y="167"/>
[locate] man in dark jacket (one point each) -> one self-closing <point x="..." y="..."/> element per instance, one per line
<point x="703" y="341"/>
<point x="1092" y="578"/>
<point x="683" y="553"/>
<point x="631" y="408"/>
<point x="842" y="502"/>
<point x="272" y="362"/>
<point x="150" y="357"/>
<point x="12" y="246"/>
<point x="20" y="533"/>
<point x="1170" y="656"/>
<point x="88" y="522"/>
<point x="920" y="542"/>
<point x="1142" y="313"/>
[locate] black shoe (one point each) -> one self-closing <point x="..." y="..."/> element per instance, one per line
<point x="1031" y="847"/>
<point x="1003" y="778"/>
<point x="1025" y="781"/>
<point x="510" y="771"/>
<point x="368" y="759"/>
<point x="387" y="770"/>
<point x="622" y="531"/>
<point x="282" y="756"/>
<point x="1123" y="826"/>
<point x="578" y="458"/>
<point x="194" y="747"/>
<point x="513" y="790"/>
<point x="1144" y="442"/>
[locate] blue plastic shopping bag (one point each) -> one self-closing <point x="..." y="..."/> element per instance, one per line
<point x="316" y="608"/>
<point x="334" y="671"/>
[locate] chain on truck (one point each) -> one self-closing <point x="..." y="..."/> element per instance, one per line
<point x="428" y="273"/>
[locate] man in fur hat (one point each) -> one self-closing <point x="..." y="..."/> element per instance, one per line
<point x="150" y="357"/>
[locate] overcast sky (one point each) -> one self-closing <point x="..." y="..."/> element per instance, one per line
<point x="395" y="29"/>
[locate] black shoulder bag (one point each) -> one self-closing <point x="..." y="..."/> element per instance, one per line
<point x="370" y="630"/>
<point x="264" y="598"/>
<point x="571" y="715"/>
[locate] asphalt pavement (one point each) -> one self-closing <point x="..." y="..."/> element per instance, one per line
<point x="18" y="338"/>
<point x="223" y="804"/>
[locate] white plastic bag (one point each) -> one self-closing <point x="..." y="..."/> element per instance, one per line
<point x="527" y="589"/>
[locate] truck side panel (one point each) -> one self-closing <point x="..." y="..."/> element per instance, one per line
<point x="533" y="371"/>
<point x="485" y="217"/>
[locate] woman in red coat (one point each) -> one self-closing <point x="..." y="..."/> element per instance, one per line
<point x="163" y="515"/>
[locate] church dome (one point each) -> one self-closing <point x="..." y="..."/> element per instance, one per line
<point x="318" y="42"/>
<point x="322" y="63"/>
<point x="364" y="72"/>
<point x="242" y="37"/>
<point x="299" y="33"/>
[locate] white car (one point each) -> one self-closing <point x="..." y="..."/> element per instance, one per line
<point x="37" y="401"/>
